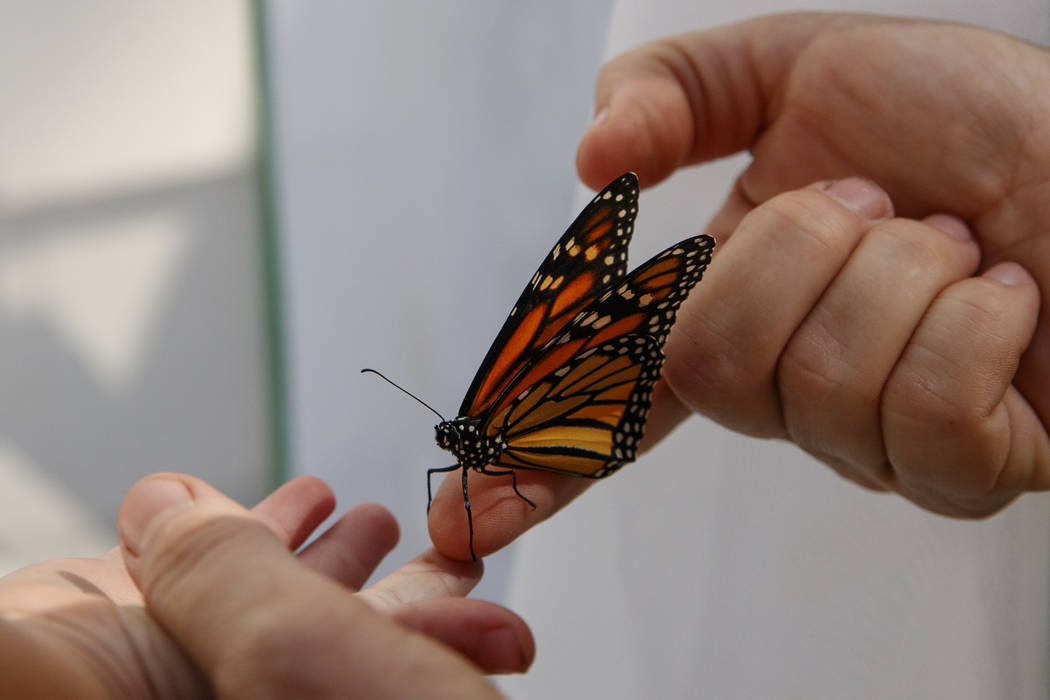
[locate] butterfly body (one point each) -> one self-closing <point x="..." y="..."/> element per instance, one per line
<point x="472" y="448"/>
<point x="566" y="385"/>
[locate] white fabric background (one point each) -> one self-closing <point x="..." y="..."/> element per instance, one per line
<point x="425" y="166"/>
<point x="723" y="567"/>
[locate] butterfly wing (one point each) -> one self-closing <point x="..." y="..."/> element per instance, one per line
<point x="580" y="405"/>
<point x="590" y="255"/>
<point x="588" y="421"/>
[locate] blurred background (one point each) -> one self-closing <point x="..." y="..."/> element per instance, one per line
<point x="214" y="214"/>
<point x="132" y="295"/>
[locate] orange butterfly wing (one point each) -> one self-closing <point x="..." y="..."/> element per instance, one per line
<point x="591" y="255"/>
<point x="580" y="404"/>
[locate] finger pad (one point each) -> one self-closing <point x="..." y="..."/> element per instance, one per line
<point x="499" y="515"/>
<point x="494" y="638"/>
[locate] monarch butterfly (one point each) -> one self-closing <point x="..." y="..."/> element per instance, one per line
<point x="566" y="385"/>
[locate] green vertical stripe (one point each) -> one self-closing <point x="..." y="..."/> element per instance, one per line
<point x="269" y="249"/>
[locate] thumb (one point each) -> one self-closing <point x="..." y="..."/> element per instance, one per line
<point x="691" y="98"/>
<point x="257" y="622"/>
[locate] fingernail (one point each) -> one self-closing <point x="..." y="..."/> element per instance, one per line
<point x="952" y="225"/>
<point x="503" y="651"/>
<point x="600" y="115"/>
<point x="148" y="502"/>
<point x="1009" y="273"/>
<point x="861" y="195"/>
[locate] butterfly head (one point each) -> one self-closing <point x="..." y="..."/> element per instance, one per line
<point x="463" y="438"/>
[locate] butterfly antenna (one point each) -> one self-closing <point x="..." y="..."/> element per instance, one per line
<point x="403" y="389"/>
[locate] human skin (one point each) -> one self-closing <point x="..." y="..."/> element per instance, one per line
<point x="888" y="324"/>
<point x="204" y="598"/>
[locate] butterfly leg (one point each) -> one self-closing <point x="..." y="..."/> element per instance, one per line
<point x="514" y="480"/>
<point x="470" y="518"/>
<point x="430" y="496"/>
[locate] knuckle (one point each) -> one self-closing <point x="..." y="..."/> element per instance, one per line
<point x="187" y="564"/>
<point x="801" y="218"/>
<point x="958" y="363"/>
<point x="182" y="548"/>
<point x="809" y="377"/>
<point x="821" y="358"/>
<point x="976" y="308"/>
<point x="948" y="449"/>
<point x="823" y="396"/>
<point x="922" y="400"/>
<point x="910" y="243"/>
<point x="808" y="369"/>
<point x="913" y="246"/>
<point x="709" y="371"/>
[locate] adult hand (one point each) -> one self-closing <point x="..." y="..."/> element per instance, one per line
<point x="204" y="597"/>
<point x="906" y="349"/>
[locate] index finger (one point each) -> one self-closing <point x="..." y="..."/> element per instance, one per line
<point x="499" y="515"/>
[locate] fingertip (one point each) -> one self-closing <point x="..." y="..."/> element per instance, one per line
<point x="952" y="225"/>
<point x="295" y="509"/>
<point x="603" y="152"/>
<point x="316" y="488"/>
<point x="500" y="516"/>
<point x="351" y="549"/>
<point x="862" y="196"/>
<point x="450" y="527"/>
<point x="494" y="638"/>
<point x="508" y="648"/>
<point x="380" y="522"/>
<point x="646" y="128"/>
<point x="447" y="525"/>
<point x="1009" y="274"/>
<point x="147" y="504"/>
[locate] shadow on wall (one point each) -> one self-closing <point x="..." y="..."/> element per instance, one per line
<point x="132" y="339"/>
